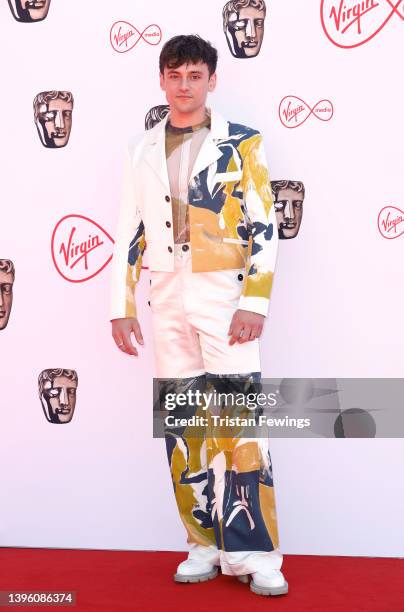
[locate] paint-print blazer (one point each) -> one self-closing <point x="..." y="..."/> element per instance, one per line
<point x="231" y="214"/>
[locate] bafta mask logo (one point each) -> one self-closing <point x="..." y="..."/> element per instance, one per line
<point x="155" y="115"/>
<point x="243" y="25"/>
<point x="7" y="274"/>
<point x="288" y="202"/>
<point x="53" y="117"/>
<point x="57" y="392"/>
<point x="29" y="10"/>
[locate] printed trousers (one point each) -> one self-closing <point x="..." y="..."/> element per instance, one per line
<point x="223" y="482"/>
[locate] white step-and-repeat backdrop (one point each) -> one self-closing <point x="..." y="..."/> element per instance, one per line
<point x="322" y="81"/>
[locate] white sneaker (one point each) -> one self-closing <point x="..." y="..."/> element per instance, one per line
<point x="192" y="570"/>
<point x="271" y="583"/>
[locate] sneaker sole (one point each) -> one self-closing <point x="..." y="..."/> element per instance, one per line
<point x="196" y="577"/>
<point x="259" y="590"/>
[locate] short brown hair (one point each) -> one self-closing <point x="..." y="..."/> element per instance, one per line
<point x="187" y="49"/>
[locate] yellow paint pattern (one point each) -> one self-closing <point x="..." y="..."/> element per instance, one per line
<point x="258" y="285"/>
<point x="255" y="175"/>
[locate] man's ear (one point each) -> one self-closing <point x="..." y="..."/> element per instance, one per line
<point x="212" y="82"/>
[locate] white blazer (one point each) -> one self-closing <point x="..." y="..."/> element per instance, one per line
<point x="231" y="213"/>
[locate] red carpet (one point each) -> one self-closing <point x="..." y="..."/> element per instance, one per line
<point x="120" y="580"/>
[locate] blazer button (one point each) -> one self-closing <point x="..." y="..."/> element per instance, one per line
<point x="148" y="302"/>
<point x="185" y="247"/>
<point x="167" y="198"/>
<point x="170" y="249"/>
<point x="168" y="224"/>
<point x="240" y="277"/>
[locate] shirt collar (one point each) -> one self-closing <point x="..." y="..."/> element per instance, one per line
<point x="188" y="129"/>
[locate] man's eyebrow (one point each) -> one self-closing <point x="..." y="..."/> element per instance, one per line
<point x="172" y="70"/>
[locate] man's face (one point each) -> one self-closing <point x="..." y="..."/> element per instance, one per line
<point x="54" y="122"/>
<point x="29" y="10"/>
<point x="289" y="211"/>
<point x="187" y="86"/>
<point x="6" y="297"/>
<point x="60" y="399"/>
<point x="245" y="32"/>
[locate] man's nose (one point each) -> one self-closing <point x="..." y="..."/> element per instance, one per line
<point x="59" y="121"/>
<point x="250" y="29"/>
<point x="289" y="212"/>
<point x="184" y="85"/>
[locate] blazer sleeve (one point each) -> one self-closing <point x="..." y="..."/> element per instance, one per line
<point x="263" y="239"/>
<point x="128" y="248"/>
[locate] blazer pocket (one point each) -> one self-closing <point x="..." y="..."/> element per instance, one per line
<point x="223" y="177"/>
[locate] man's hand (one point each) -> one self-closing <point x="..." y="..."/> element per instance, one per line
<point x="248" y="324"/>
<point x="121" y="331"/>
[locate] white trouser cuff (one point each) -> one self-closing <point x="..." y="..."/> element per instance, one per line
<point x="238" y="562"/>
<point x="246" y="562"/>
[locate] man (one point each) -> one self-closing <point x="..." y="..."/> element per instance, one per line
<point x="196" y="192"/>
<point x="29" y="10"/>
<point x="53" y="117"/>
<point x="57" y="391"/>
<point x="289" y="197"/>
<point x="7" y="275"/>
<point x="243" y="25"/>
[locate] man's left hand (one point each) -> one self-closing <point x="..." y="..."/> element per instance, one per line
<point x="245" y="326"/>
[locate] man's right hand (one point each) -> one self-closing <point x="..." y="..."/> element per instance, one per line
<point x="121" y="331"/>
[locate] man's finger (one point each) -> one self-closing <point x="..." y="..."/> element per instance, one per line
<point x="254" y="333"/>
<point x="128" y="346"/>
<point x="245" y="336"/>
<point x="232" y="324"/>
<point x="118" y="341"/>
<point x="259" y="331"/>
<point x="138" y="332"/>
<point x="237" y="327"/>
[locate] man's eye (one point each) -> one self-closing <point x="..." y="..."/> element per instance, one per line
<point x="279" y="205"/>
<point x="195" y="77"/>
<point x="240" y="24"/>
<point x="72" y="391"/>
<point x="298" y="204"/>
<point x="67" y="113"/>
<point x="7" y="288"/>
<point x="259" y="23"/>
<point x="54" y="392"/>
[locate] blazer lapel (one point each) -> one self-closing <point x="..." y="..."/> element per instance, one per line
<point x="209" y="151"/>
<point x="155" y="153"/>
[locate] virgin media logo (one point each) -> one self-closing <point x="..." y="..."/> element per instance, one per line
<point x="294" y="111"/>
<point x="391" y="222"/>
<point x="80" y="248"/>
<point x="349" y="23"/>
<point x="124" y="36"/>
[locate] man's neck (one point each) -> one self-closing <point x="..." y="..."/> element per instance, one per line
<point x="178" y="119"/>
